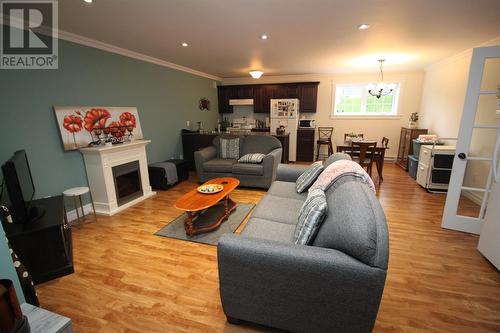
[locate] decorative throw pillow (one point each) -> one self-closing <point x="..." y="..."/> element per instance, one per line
<point x="311" y="216"/>
<point x="230" y="148"/>
<point x="308" y="177"/>
<point x="252" y="158"/>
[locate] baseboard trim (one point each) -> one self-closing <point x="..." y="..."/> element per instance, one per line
<point x="71" y="214"/>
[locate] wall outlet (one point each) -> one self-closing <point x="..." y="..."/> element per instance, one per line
<point x="188" y="123"/>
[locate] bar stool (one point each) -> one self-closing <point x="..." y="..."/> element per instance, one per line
<point x="78" y="192"/>
<point x="324" y="138"/>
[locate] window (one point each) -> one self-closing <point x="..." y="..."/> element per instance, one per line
<point x="354" y="100"/>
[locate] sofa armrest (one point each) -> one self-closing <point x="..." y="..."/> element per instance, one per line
<point x="290" y="172"/>
<point x="271" y="162"/>
<point x="297" y="287"/>
<point x="203" y="155"/>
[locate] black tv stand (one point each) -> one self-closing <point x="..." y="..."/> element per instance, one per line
<point x="43" y="244"/>
<point x="35" y="213"/>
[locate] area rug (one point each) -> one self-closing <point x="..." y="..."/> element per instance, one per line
<point x="175" y="229"/>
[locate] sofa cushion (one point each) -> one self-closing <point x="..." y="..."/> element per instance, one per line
<point x="308" y="177"/>
<point x="353" y="221"/>
<point x="336" y="157"/>
<point x="252" y="158"/>
<point x="283" y="210"/>
<point x="269" y="230"/>
<point x="311" y="216"/>
<point x="229" y="148"/>
<point x="286" y="190"/>
<point x="248" y="169"/>
<point x="260" y="144"/>
<point x="216" y="141"/>
<point x="219" y="165"/>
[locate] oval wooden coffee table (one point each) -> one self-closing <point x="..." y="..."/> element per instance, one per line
<point x="193" y="203"/>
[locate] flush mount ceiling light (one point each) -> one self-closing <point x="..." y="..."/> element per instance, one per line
<point x="88" y="1"/>
<point x="381" y="88"/>
<point x="184" y="44"/>
<point x="363" y="26"/>
<point x="256" y="74"/>
<point x="264" y="37"/>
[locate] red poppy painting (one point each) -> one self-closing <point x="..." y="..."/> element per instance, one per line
<point x="80" y="126"/>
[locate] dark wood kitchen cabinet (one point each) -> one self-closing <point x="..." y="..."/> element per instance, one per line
<point x="308" y="96"/>
<point x="306" y="92"/>
<point x="223" y="94"/>
<point x="305" y="144"/>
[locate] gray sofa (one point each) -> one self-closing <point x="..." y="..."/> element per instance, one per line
<point x="209" y="165"/>
<point x="333" y="286"/>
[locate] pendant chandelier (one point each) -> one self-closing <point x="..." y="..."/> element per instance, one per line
<point x="381" y="88"/>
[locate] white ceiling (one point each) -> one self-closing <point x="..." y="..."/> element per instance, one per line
<point x="305" y="36"/>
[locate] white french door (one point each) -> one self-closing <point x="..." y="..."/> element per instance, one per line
<point x="476" y="158"/>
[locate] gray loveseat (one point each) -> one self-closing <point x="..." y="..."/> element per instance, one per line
<point x="333" y="286"/>
<point x="209" y="165"/>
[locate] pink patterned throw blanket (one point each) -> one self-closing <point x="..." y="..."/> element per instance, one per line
<point x="337" y="170"/>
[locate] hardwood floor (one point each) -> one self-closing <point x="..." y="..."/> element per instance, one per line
<point x="128" y="280"/>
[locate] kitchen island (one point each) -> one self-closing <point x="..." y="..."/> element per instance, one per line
<point x="193" y="141"/>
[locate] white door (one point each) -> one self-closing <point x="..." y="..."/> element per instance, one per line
<point x="489" y="241"/>
<point x="472" y="174"/>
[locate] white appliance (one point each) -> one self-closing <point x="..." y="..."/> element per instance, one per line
<point x="285" y="112"/>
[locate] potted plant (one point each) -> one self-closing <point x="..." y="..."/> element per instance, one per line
<point x="413" y="120"/>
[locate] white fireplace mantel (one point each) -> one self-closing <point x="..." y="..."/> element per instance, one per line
<point x="99" y="162"/>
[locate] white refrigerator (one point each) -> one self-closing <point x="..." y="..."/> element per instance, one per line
<point x="285" y="112"/>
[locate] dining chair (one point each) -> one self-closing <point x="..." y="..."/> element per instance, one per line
<point x="364" y="152"/>
<point x="324" y="138"/>
<point x="379" y="156"/>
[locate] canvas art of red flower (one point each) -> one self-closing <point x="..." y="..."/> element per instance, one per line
<point x="96" y="118"/>
<point x="72" y="123"/>
<point x="127" y="119"/>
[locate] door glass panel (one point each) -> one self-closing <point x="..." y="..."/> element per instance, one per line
<point x="470" y="203"/>
<point x="486" y="110"/>
<point x="491" y="74"/>
<point x="476" y="174"/>
<point x="483" y="142"/>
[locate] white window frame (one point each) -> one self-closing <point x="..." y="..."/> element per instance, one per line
<point x="395" y="106"/>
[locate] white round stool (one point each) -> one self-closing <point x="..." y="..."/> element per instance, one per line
<point x="78" y="192"/>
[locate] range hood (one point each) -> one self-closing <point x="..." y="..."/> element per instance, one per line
<point x="243" y="101"/>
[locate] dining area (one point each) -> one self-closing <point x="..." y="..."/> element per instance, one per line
<point x="366" y="151"/>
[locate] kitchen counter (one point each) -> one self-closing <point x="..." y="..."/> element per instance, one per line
<point x="194" y="141"/>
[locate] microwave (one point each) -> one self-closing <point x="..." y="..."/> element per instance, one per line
<point x="307" y="123"/>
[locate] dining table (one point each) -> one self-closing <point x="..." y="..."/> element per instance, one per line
<point x="380" y="150"/>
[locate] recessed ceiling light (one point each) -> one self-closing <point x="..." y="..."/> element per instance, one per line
<point x="88" y="1"/>
<point x="184" y="44"/>
<point x="363" y="26"/>
<point x="256" y="74"/>
<point x="264" y="37"/>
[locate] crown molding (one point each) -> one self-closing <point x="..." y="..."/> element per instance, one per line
<point x="461" y="55"/>
<point x="78" y="39"/>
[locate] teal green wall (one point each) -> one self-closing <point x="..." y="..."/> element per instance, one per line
<point x="7" y="270"/>
<point x="165" y="99"/>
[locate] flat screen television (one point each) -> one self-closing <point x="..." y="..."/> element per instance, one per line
<point x="20" y="188"/>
